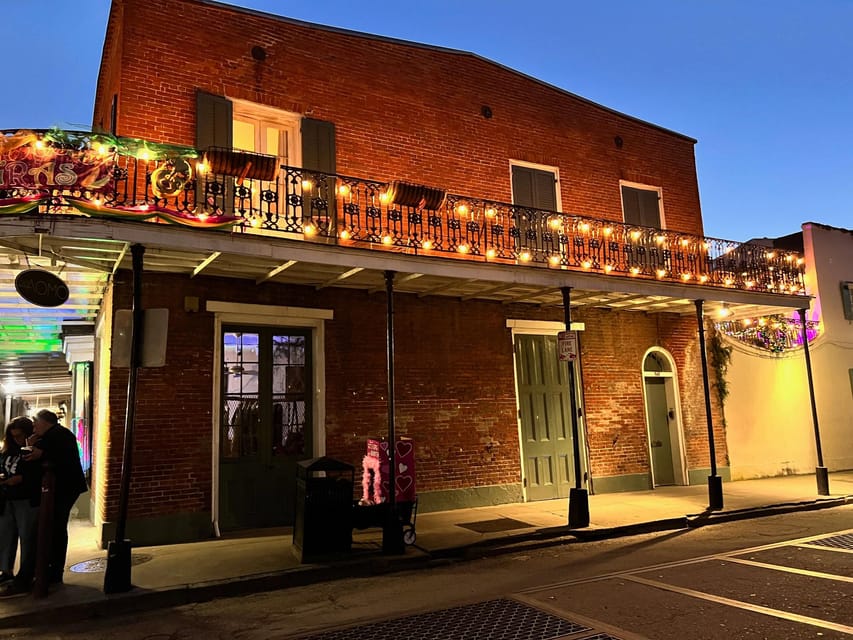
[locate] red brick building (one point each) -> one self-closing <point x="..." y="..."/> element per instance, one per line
<point x="276" y="337"/>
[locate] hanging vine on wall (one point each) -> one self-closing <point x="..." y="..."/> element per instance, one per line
<point x="720" y="357"/>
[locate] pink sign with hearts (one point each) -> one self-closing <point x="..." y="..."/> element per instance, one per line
<point x="405" y="461"/>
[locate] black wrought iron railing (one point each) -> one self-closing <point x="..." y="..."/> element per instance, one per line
<point x="248" y="193"/>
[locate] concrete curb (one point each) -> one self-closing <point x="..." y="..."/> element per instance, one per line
<point x="139" y="600"/>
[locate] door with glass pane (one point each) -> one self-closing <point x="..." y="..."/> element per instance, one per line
<point x="265" y="420"/>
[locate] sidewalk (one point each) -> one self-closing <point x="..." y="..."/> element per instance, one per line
<point x="171" y="575"/>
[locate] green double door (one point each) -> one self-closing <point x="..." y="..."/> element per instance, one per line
<point x="265" y="424"/>
<point x="544" y="413"/>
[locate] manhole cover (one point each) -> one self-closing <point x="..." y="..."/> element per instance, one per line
<point x="99" y="565"/>
<point x="495" y="619"/>
<point x="844" y="541"/>
<point x="493" y="526"/>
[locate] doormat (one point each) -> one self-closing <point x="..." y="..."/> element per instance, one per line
<point x="496" y="525"/>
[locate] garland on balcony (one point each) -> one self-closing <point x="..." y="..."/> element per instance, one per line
<point x="53" y="168"/>
<point x="775" y="333"/>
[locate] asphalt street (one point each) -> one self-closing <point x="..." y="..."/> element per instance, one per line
<point x="779" y="578"/>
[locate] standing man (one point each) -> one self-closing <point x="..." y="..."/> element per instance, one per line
<point x="56" y="447"/>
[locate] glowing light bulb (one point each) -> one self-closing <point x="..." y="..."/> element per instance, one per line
<point x="343" y="190"/>
<point x="384" y="197"/>
<point x="102" y="150"/>
<point x="39" y="144"/>
<point x="144" y="155"/>
<point x="345" y="234"/>
<point x="463" y="248"/>
<point x="554" y="260"/>
<point x="255" y="222"/>
<point x="789" y="257"/>
<point x="800" y="261"/>
<point x="201" y="167"/>
<point x="462" y="209"/>
<point x="586" y="264"/>
<point x="686" y="276"/>
<point x="750" y="284"/>
<point x="309" y="229"/>
<point x="770" y="255"/>
<point x="491" y="253"/>
<point x="684" y="242"/>
<point x="747" y="322"/>
<point x="426" y="245"/>
<point x="727" y="282"/>
<point x="555" y="223"/>
<point x="635" y="235"/>
<point x="607" y="231"/>
<point x="525" y="256"/>
<point x="661" y="273"/>
<point x="608" y="268"/>
<point x="659" y="239"/>
<point x="491" y="212"/>
<point x="307" y="185"/>
<point x="584" y="227"/>
<point x="703" y="279"/>
<point x="635" y="270"/>
<point x="387" y="239"/>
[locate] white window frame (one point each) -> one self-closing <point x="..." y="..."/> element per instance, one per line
<point x="262" y="115"/>
<point x="644" y="187"/>
<point x="540" y="167"/>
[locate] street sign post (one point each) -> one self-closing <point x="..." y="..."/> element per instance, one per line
<point x="567" y="342"/>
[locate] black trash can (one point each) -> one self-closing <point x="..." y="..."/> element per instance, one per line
<point x="324" y="499"/>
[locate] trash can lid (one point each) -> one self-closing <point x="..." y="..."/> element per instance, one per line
<point x="324" y="463"/>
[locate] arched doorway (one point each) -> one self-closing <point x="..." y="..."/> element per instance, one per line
<point x="663" y="419"/>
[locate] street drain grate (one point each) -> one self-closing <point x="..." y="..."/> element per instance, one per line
<point x="99" y="565"/>
<point x="601" y="636"/>
<point x="844" y="541"/>
<point x="496" y="525"/>
<point x="496" y="620"/>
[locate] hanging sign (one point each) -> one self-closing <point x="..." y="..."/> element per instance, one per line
<point x="567" y="342"/>
<point x="41" y="287"/>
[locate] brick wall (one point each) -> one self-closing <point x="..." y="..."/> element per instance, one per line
<point x="454" y="388"/>
<point x="401" y="111"/>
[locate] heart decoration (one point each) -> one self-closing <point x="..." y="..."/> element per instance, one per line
<point x="403" y="468"/>
<point x="403" y="483"/>
<point x="404" y="448"/>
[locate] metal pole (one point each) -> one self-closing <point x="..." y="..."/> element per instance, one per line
<point x="578" y="496"/>
<point x="821" y="472"/>
<point x="117" y="575"/>
<point x="392" y="531"/>
<point x="715" y="482"/>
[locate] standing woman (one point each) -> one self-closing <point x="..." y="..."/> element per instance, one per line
<point x="21" y="486"/>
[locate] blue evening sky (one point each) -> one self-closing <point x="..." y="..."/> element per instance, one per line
<point x="765" y="86"/>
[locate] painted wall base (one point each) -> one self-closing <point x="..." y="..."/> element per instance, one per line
<point x="470" y="497"/>
<point x="173" y="529"/>
<point x="617" y="484"/>
<point x="700" y="476"/>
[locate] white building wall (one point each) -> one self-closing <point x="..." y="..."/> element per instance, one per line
<point x="768" y="412"/>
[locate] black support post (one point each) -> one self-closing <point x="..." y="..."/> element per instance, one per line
<point x="578" y="496"/>
<point x="392" y="530"/>
<point x="117" y="575"/>
<point x="821" y="473"/>
<point x="715" y="482"/>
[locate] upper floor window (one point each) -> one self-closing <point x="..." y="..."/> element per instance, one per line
<point x="534" y="186"/>
<point x="269" y="131"/>
<point x="641" y="205"/>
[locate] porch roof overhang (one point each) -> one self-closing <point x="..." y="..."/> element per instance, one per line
<point x="86" y="252"/>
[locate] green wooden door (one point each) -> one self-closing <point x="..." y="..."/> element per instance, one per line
<point x="660" y="441"/>
<point x="265" y="424"/>
<point x="545" y="417"/>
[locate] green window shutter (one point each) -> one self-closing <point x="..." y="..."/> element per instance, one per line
<point x="641" y="207"/>
<point x="318" y="145"/>
<point x="534" y="188"/>
<point x="214" y="127"/>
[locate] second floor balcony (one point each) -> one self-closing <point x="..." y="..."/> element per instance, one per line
<point x="50" y="173"/>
